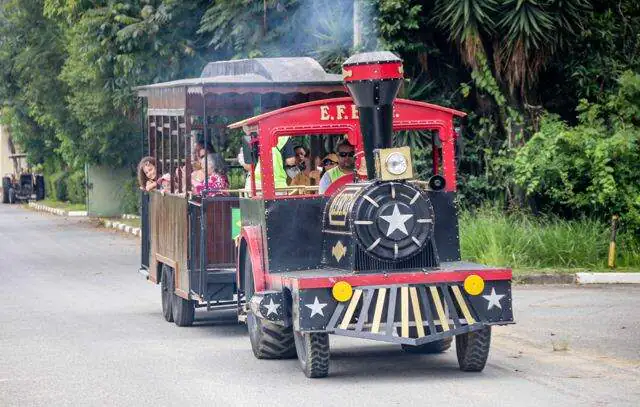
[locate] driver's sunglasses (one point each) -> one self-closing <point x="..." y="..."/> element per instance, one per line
<point x="329" y="162"/>
<point x="346" y="154"/>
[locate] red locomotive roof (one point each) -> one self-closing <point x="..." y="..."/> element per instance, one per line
<point x="406" y="111"/>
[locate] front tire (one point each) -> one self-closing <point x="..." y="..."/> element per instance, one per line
<point x="313" y="353"/>
<point x="472" y="349"/>
<point x="268" y="340"/>
<point x="39" y="187"/>
<point x="166" y="292"/>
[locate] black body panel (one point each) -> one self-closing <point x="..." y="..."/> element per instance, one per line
<point x="294" y="233"/>
<point x="446" y="225"/>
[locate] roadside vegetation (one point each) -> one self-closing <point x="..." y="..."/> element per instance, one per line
<point x="67" y="206"/>
<point x="527" y="243"/>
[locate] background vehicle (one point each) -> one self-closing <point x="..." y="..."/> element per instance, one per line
<point x="22" y="185"/>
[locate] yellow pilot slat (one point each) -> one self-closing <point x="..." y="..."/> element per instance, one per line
<point x="463" y="305"/>
<point x="350" y="309"/>
<point x="404" y="311"/>
<point x="417" y="315"/>
<point x="439" y="309"/>
<point x="377" y="315"/>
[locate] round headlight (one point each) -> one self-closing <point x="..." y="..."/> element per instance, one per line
<point x="396" y="164"/>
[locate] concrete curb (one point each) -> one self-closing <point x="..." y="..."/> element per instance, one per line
<point x="121" y="227"/>
<point x="56" y="211"/>
<point x="566" y="278"/>
<point x="579" y="278"/>
<point x="608" y="278"/>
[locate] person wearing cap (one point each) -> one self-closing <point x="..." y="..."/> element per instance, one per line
<point x="328" y="162"/>
<point x="346" y="163"/>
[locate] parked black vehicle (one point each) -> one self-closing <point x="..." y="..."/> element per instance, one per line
<point x="23" y="184"/>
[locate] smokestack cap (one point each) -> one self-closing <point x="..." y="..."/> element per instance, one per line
<point x="367" y="66"/>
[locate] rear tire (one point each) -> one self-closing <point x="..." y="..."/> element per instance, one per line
<point x="472" y="349"/>
<point x="166" y="292"/>
<point x="313" y="353"/>
<point x="268" y="340"/>
<point x="183" y="311"/>
<point x="6" y="184"/>
<point x="429" y="348"/>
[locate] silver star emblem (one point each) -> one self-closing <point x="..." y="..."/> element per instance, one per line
<point x="316" y="307"/>
<point x="272" y="307"/>
<point x="494" y="299"/>
<point x="396" y="221"/>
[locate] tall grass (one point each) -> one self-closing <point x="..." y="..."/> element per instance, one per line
<point x="518" y="240"/>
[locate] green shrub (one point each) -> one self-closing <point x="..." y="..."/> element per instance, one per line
<point x="76" y="191"/>
<point x="56" y="186"/>
<point x="591" y="169"/>
<point x="131" y="196"/>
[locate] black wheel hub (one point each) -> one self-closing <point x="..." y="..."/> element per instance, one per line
<point x="392" y="220"/>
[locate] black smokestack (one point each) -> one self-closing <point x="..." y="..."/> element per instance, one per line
<point x="373" y="80"/>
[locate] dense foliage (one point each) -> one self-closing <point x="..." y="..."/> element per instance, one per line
<point x="551" y="86"/>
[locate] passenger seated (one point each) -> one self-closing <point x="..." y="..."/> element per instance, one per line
<point x="147" y="175"/>
<point x="308" y="175"/>
<point x="328" y="162"/>
<point x="284" y="165"/>
<point x="218" y="183"/>
<point x="346" y="164"/>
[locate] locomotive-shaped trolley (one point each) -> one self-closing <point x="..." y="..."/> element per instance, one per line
<point x="377" y="256"/>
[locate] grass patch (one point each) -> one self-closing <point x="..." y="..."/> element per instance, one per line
<point x="528" y="243"/>
<point x="67" y="206"/>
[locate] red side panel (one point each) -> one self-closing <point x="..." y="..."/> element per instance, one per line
<point x="252" y="235"/>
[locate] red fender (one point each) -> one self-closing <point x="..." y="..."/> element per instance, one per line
<point x="252" y="236"/>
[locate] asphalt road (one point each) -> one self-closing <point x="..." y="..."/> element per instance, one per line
<point x="79" y="326"/>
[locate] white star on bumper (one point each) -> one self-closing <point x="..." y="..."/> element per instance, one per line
<point x="396" y="221"/>
<point x="316" y="307"/>
<point x="272" y="307"/>
<point x="494" y="299"/>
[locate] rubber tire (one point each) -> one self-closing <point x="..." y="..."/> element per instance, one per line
<point x="39" y="187"/>
<point x="472" y="349"/>
<point x="313" y="353"/>
<point x="12" y="196"/>
<point x="6" y="184"/>
<point x="268" y="340"/>
<point x="439" y="346"/>
<point x="166" y="292"/>
<point x="184" y="311"/>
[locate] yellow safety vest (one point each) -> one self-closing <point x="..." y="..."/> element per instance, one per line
<point x="279" y="174"/>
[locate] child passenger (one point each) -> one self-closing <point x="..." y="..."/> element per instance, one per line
<point x="147" y="175"/>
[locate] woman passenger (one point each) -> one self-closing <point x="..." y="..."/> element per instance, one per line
<point x="218" y="181"/>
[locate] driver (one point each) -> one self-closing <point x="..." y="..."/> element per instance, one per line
<point x="346" y="163"/>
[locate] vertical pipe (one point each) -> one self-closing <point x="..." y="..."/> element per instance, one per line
<point x="612" y="243"/>
<point x="171" y="175"/>
<point x="206" y="143"/>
